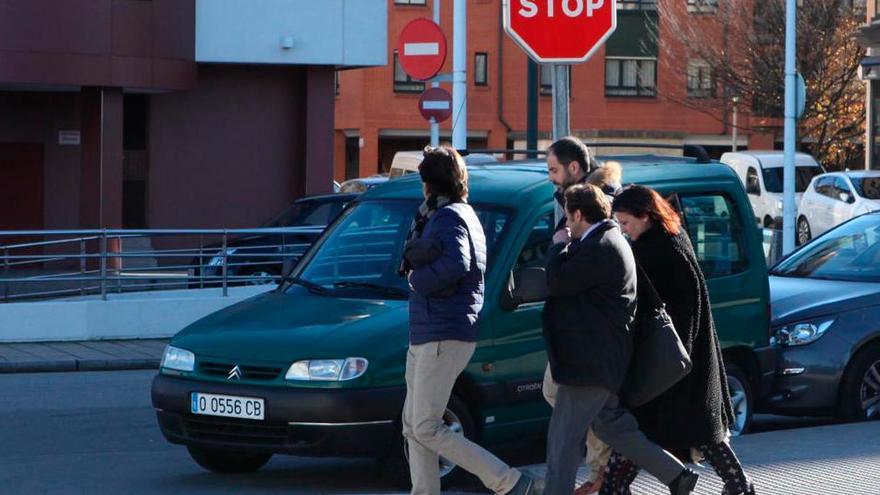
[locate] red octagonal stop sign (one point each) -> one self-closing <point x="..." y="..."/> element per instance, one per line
<point x="560" y="31"/>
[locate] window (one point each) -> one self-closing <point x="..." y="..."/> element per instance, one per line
<point x="773" y="177"/>
<point x="336" y="79"/>
<point x="402" y="82"/>
<point x="700" y="83"/>
<point x="409" y="2"/>
<point x="481" y="69"/>
<point x="753" y="185"/>
<point x="825" y="186"/>
<point x="630" y="76"/>
<point x="717" y="234"/>
<point x="539" y="240"/>
<point x="842" y="191"/>
<point x="867" y="187"/>
<point x="636" y="4"/>
<point x="545" y="79"/>
<point x="702" y="6"/>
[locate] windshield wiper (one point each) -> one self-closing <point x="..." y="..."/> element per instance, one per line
<point x="311" y="286"/>
<point x="384" y="289"/>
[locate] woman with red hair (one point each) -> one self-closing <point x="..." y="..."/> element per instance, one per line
<point x="691" y="419"/>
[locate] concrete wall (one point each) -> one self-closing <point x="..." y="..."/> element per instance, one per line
<point x="145" y="315"/>
<point x="325" y="32"/>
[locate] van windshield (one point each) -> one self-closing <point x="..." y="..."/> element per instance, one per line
<point x="360" y="254"/>
<point x="803" y="176"/>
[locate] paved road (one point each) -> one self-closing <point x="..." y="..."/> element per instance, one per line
<point x="95" y="433"/>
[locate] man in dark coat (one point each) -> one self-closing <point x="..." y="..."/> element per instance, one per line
<point x="568" y="163"/>
<point x="591" y="304"/>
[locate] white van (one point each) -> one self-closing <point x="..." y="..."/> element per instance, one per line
<point x="761" y="175"/>
<point x="407" y="162"/>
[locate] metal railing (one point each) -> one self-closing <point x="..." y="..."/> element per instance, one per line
<point x="40" y="264"/>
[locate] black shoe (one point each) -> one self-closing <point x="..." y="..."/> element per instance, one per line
<point x="684" y="483"/>
<point x="525" y="486"/>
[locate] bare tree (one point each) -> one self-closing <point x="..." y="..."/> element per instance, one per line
<point x="738" y="47"/>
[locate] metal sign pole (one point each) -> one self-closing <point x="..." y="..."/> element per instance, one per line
<point x="435" y="127"/>
<point x="561" y="122"/>
<point x="788" y="183"/>
<point x="459" y="75"/>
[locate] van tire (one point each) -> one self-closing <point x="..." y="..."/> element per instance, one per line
<point x="228" y="461"/>
<point x="396" y="466"/>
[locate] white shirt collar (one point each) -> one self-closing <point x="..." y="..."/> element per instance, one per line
<point x="592" y="228"/>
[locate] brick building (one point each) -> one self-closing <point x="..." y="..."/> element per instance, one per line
<point x="617" y="95"/>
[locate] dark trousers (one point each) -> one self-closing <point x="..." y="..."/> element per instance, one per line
<point x="577" y="408"/>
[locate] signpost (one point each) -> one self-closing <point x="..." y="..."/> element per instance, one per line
<point x="421" y="49"/>
<point x="560" y="32"/>
<point x="435" y="105"/>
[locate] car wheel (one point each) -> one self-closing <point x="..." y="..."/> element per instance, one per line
<point x="861" y="386"/>
<point x="228" y="461"/>
<point x="458" y="419"/>
<point x="803" y="231"/>
<point x="741" y="398"/>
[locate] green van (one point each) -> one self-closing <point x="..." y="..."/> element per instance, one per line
<point x="316" y="366"/>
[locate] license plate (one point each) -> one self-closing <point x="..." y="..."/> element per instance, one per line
<point x="228" y="406"/>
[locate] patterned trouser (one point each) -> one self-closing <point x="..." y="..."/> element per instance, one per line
<point x="622" y="472"/>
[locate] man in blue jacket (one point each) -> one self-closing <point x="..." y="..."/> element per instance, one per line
<point x="444" y="304"/>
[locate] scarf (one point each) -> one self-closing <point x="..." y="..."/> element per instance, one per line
<point x="426" y="210"/>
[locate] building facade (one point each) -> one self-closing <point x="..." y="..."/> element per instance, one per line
<point x="622" y="94"/>
<point x="171" y="113"/>
<point x="869" y="37"/>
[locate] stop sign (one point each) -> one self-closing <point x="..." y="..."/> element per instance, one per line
<point x="560" y="31"/>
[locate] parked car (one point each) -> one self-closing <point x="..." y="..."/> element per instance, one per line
<point x="826" y="323"/>
<point x="317" y="366"/>
<point x="360" y="185"/>
<point x="407" y="162"/>
<point x="761" y="173"/>
<point x="259" y="259"/>
<point x="834" y="198"/>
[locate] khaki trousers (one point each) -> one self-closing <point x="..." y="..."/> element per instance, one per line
<point x="431" y="371"/>
<point x="597" y="452"/>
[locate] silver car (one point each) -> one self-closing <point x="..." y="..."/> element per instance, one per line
<point x="826" y="323"/>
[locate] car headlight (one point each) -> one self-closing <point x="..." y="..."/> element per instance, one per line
<point x="802" y="333"/>
<point x="178" y="359"/>
<point x="330" y="370"/>
<point x="218" y="260"/>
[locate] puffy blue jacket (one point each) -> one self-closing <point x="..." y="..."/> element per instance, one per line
<point x="462" y="265"/>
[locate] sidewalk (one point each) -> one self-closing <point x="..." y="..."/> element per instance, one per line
<point x="100" y="355"/>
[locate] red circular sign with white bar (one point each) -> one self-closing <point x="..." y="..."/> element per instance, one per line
<point x="560" y="31"/>
<point x="421" y="49"/>
<point x="436" y="103"/>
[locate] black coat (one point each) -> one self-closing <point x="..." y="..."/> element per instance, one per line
<point x="696" y="411"/>
<point x="591" y="304"/>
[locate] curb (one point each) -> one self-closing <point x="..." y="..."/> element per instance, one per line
<point x="44" y="366"/>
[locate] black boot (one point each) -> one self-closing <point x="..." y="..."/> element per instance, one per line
<point x="684" y="483"/>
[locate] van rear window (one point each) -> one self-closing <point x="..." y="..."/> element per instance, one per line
<point x="717" y="234"/>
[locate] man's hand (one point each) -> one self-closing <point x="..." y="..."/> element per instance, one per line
<point x="562" y="236"/>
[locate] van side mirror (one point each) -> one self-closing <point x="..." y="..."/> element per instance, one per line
<point x="527" y="285"/>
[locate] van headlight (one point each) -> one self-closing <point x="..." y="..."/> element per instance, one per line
<point x="178" y="359"/>
<point x="802" y="333"/>
<point x="328" y="370"/>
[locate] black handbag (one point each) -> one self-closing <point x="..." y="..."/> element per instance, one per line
<point x="659" y="359"/>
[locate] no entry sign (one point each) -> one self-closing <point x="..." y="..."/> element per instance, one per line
<point x="421" y="49"/>
<point x="436" y="103"/>
<point x="560" y="31"/>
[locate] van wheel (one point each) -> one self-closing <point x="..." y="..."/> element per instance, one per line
<point x="803" y="231"/>
<point x="741" y="398"/>
<point x="860" y="399"/>
<point x="228" y="461"/>
<point x="458" y="419"/>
